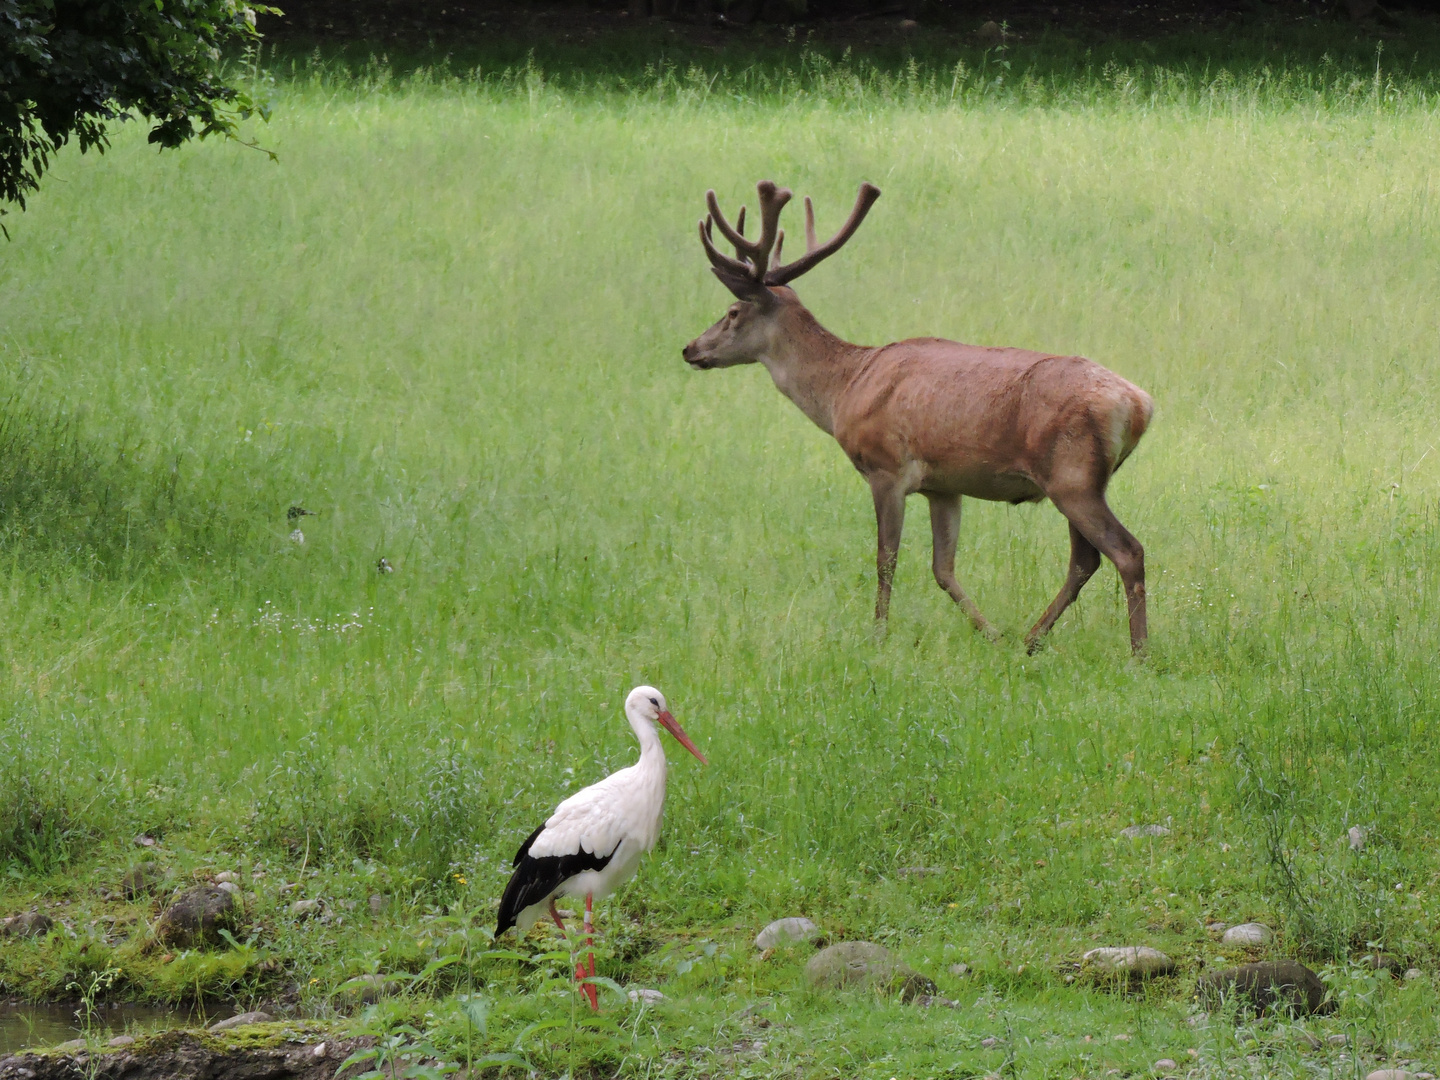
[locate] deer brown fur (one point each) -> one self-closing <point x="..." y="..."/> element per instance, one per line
<point x="936" y="417"/>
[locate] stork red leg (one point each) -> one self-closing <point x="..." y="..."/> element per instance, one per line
<point x="556" y="916"/>
<point x="588" y="968"/>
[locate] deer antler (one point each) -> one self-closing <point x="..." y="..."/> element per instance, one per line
<point x="782" y="275"/>
<point x="752" y="256"/>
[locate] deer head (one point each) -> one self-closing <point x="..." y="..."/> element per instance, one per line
<point x="764" y="304"/>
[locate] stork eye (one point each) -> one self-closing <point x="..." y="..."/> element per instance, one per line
<point x="655" y="703"/>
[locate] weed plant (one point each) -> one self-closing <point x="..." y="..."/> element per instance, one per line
<point x="448" y="322"/>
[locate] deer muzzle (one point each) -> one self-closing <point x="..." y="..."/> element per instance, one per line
<point x="694" y="357"/>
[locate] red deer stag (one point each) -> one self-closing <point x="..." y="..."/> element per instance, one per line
<point x="935" y="416"/>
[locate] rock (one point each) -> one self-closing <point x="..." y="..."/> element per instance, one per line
<point x="378" y="903"/>
<point x="319" y="1050"/>
<point x="303" y="909"/>
<point x="990" y="33"/>
<point x="1390" y="1074"/>
<point x="646" y="995"/>
<point x="241" y="1020"/>
<point x="786" y="932"/>
<point x="989" y="1043"/>
<point x="1133" y="961"/>
<point x="1165" y="1065"/>
<point x="866" y="964"/>
<point x="229" y="887"/>
<point x="1414" y="973"/>
<point x="227" y="875"/>
<point x="959" y="970"/>
<point x="1379" y="961"/>
<point x="180" y="1054"/>
<point x="140" y="881"/>
<point x="1357" y="837"/>
<point x="121" y="1041"/>
<point x="1250" y="933"/>
<point x="71" y="1046"/>
<point x="365" y="989"/>
<point x="1215" y="929"/>
<point x="28" y="924"/>
<point x="1337" y="1040"/>
<point x="1274" y="984"/>
<point x="1134" y="832"/>
<point x="196" y="918"/>
<point x="909" y="24"/>
<point x="145" y="840"/>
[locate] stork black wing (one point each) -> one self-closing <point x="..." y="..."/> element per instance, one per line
<point x="536" y="878"/>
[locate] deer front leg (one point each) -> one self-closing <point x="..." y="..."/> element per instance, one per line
<point x="1084" y="561"/>
<point x="944" y="532"/>
<point x="889" y="523"/>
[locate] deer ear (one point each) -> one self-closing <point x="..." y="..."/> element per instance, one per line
<point x="744" y="287"/>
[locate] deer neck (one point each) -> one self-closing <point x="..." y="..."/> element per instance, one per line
<point x="812" y="367"/>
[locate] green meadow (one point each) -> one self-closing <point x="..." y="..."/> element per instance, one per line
<point x="448" y="321"/>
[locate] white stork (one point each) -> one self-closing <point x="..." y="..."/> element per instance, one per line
<point x="592" y="843"/>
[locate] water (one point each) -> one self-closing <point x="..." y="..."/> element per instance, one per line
<point x="23" y="1026"/>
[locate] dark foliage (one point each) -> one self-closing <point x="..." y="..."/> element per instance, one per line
<point x="69" y="68"/>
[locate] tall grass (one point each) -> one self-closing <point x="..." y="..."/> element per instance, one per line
<point x="449" y="323"/>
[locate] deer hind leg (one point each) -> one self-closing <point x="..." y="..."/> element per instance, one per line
<point x="1099" y="525"/>
<point x="944" y="532"/>
<point x="1084" y="561"/>
<point x="889" y="523"/>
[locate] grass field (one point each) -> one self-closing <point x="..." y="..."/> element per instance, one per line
<point x="449" y="322"/>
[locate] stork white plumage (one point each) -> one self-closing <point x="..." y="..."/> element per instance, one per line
<point x="592" y="843"/>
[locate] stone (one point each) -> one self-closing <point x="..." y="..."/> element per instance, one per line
<point x="1411" y="974"/>
<point x="303" y="909"/>
<point x="1132" y="961"/>
<point x="643" y="994"/>
<point x="71" y="1046"/>
<point x="786" y="932"/>
<point x="28" y="924"/>
<point x="365" y="989"/>
<point x="145" y="840"/>
<point x="140" y="881"/>
<point x="959" y="970"/>
<point x="1380" y="961"/>
<point x="319" y="1050"/>
<point x="1134" y="832"/>
<point x="989" y="1043"/>
<point x="1357" y="837"/>
<point x="1215" y="929"/>
<point x="909" y="24"/>
<point x="990" y="33"/>
<point x="1275" y="984"/>
<point x="1390" y="1074"/>
<point x="378" y="903"/>
<point x="227" y="875"/>
<point x="866" y="964"/>
<point x="1165" y="1065"/>
<point x="120" y="1041"/>
<point x="241" y="1020"/>
<point x="229" y="887"/>
<point x="196" y="918"/>
<point x="1337" y="1040"/>
<point x="1250" y="933"/>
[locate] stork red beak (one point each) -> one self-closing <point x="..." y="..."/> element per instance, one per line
<point x="668" y="722"/>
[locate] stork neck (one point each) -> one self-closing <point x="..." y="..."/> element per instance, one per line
<point x="652" y="753"/>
